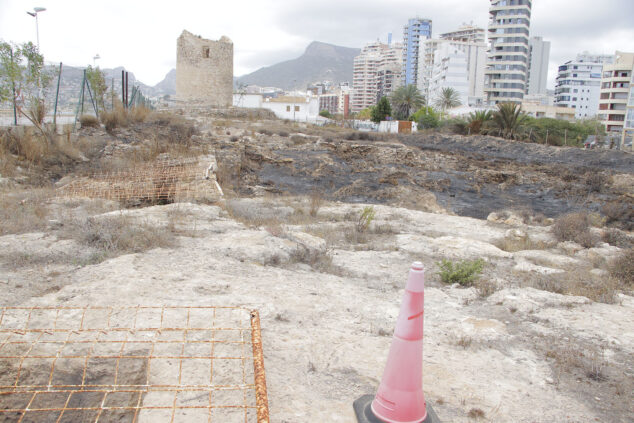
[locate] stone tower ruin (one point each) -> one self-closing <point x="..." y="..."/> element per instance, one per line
<point x="204" y="70"/>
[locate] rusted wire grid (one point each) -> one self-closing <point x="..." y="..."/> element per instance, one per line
<point x="163" y="181"/>
<point x="43" y="337"/>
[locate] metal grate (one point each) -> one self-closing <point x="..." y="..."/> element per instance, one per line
<point x="161" y="181"/>
<point x="131" y="364"/>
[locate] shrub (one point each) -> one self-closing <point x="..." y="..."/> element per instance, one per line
<point x="464" y="272"/>
<point x="298" y="139"/>
<point x="595" y="181"/>
<point x="114" y="118"/>
<point x="365" y="218"/>
<point x="618" y="238"/>
<point x="89" y="121"/>
<point x="316" y="199"/>
<point x="622" y="268"/>
<point x="138" y="114"/>
<point x="427" y="118"/>
<point x="574" y="227"/>
<point x="620" y="213"/>
<point x="283" y="134"/>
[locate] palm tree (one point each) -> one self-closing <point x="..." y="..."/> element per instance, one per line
<point x="508" y="119"/>
<point x="405" y="100"/>
<point x="477" y="119"/>
<point x="448" y="99"/>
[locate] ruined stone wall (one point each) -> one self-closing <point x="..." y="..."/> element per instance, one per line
<point x="204" y="70"/>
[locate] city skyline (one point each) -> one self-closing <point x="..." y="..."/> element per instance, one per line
<point x="144" y="39"/>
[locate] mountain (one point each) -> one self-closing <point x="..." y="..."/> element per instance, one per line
<point x="320" y="62"/>
<point x="167" y="85"/>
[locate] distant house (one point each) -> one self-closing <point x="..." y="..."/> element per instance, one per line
<point x="298" y="108"/>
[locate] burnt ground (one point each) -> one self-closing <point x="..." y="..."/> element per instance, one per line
<point x="469" y="176"/>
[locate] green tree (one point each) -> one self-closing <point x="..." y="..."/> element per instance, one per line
<point x="22" y="79"/>
<point x="382" y="110"/>
<point x="426" y="117"/>
<point x="508" y="119"/>
<point x="406" y="99"/>
<point x="97" y="82"/>
<point x="448" y="99"/>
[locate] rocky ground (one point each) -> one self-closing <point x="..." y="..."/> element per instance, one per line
<point x="544" y="335"/>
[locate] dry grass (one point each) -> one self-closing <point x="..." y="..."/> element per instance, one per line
<point x="116" y="118"/>
<point x="89" y="121"/>
<point x="575" y="227"/>
<point x="316" y="200"/>
<point x="578" y="282"/>
<point x="513" y="244"/>
<point x="321" y="261"/>
<point x="116" y="235"/>
<point x="464" y="342"/>
<point x="24" y="211"/>
<point x="622" y="268"/>
<point x="618" y="238"/>
<point x="138" y="114"/>
<point x="619" y="213"/>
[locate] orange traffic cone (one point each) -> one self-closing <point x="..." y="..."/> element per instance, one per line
<point x="400" y="398"/>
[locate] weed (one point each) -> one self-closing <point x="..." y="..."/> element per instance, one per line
<point x="476" y="413"/>
<point x="486" y="287"/>
<point x="365" y="218"/>
<point x="316" y="200"/>
<point x="319" y="260"/>
<point x="463" y="272"/>
<point x="464" y="341"/>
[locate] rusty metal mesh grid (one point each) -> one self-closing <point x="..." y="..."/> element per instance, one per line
<point x="167" y="180"/>
<point x="131" y="364"/>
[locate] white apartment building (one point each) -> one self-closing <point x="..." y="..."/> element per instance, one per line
<point x="627" y="141"/>
<point x="538" y="58"/>
<point x="507" y="65"/>
<point x="579" y="82"/>
<point x="427" y="51"/>
<point x="456" y="64"/>
<point x="466" y="33"/>
<point x="615" y="93"/>
<point x="373" y="74"/>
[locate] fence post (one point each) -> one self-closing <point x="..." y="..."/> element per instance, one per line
<point x="59" y="77"/>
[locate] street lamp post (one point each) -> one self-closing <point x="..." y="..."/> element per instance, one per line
<point x="34" y="13"/>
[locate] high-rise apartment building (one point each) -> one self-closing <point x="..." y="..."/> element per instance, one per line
<point x="507" y="65"/>
<point x="615" y="92"/>
<point x="376" y="73"/>
<point x="538" y="58"/>
<point x="458" y="65"/>
<point x="417" y="29"/>
<point x="466" y="33"/>
<point x="579" y="82"/>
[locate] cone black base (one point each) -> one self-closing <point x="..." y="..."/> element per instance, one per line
<point x="365" y="415"/>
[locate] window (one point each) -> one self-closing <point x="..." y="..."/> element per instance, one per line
<point x="297" y="108"/>
<point x="288" y="108"/>
<point x="206" y="52"/>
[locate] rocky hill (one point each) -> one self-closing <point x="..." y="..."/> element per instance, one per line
<point x="320" y="62"/>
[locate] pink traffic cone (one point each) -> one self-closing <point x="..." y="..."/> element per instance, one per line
<point x="400" y="398"/>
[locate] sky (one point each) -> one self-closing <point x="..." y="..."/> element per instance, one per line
<point x="141" y="35"/>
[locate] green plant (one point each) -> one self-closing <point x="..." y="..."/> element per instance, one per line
<point x="447" y="99"/>
<point x="365" y="218"/>
<point x="365" y="114"/>
<point x="508" y="119"/>
<point x="23" y="79"/>
<point x="463" y="272"/>
<point x="406" y="99"/>
<point x="477" y="119"/>
<point x="426" y="117"/>
<point x="382" y="110"/>
<point x="325" y="113"/>
<point x="97" y="82"/>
